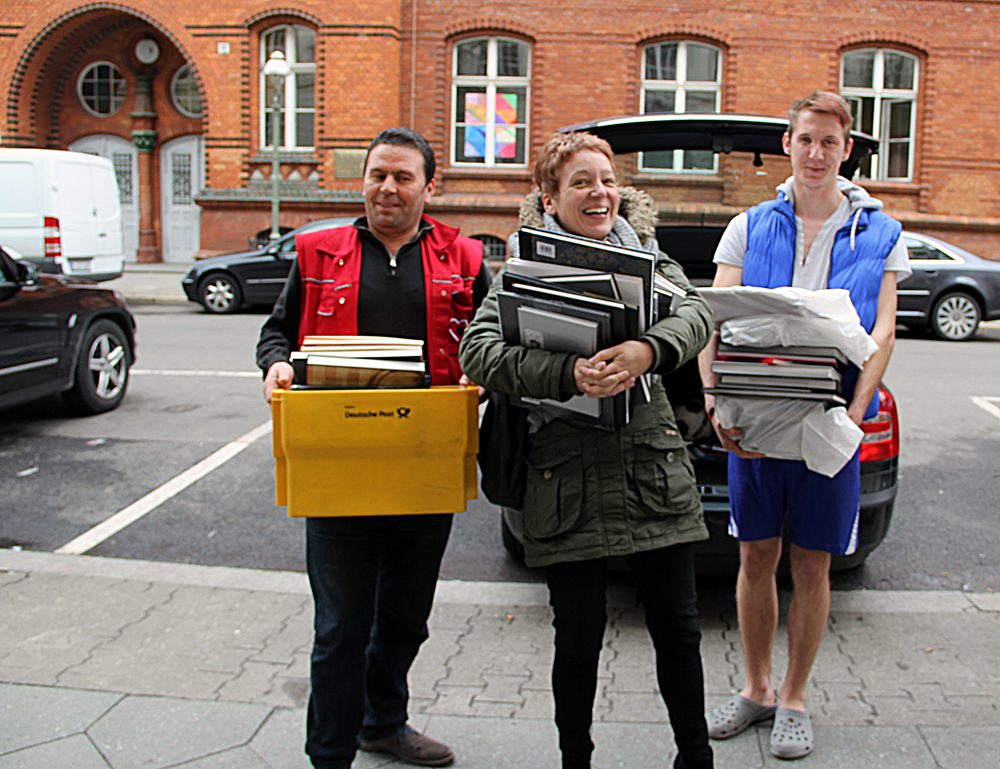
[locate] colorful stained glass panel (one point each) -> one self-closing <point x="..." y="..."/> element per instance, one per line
<point x="475" y="141"/>
<point x="475" y="109"/>
<point x="506" y="108"/>
<point x="506" y="143"/>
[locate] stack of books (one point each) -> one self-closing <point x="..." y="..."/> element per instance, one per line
<point x="802" y="373"/>
<point x="359" y="362"/>
<point x="572" y="294"/>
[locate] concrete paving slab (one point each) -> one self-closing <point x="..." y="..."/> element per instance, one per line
<point x="155" y="732"/>
<point x="76" y="752"/>
<point x="32" y="715"/>
<point x="964" y="747"/>
<point x="280" y="740"/>
<point x="497" y="743"/>
<point x="237" y="758"/>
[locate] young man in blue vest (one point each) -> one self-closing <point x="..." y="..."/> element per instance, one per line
<point x="393" y="272"/>
<point x="821" y="231"/>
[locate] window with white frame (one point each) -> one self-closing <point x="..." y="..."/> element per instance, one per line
<point x="881" y="86"/>
<point x="296" y="102"/>
<point x="184" y="92"/>
<point x="101" y="88"/>
<point x="680" y="76"/>
<point x="490" y="91"/>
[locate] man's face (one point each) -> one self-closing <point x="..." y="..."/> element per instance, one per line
<point x="395" y="190"/>
<point x="817" y="148"/>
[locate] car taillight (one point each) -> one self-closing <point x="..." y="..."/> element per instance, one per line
<point x="53" y="240"/>
<point x="881" y="432"/>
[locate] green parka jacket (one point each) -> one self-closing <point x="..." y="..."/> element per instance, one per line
<point x="593" y="493"/>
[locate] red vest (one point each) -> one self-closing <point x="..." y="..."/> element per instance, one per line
<point x="330" y="266"/>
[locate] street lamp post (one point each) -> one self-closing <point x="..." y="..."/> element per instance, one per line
<point x="275" y="71"/>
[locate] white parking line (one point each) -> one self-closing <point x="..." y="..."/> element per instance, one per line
<point x="129" y="515"/>
<point x="190" y="372"/>
<point x="988" y="404"/>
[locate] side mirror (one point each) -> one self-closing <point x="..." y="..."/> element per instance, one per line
<point x="27" y="274"/>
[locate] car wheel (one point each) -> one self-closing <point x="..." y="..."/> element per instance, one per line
<point x="955" y="317"/>
<point x="102" y="369"/>
<point x="220" y="293"/>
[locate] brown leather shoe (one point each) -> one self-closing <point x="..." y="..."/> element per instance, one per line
<point x="411" y="747"/>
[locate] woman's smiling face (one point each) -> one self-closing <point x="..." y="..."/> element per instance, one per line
<point x="587" y="201"/>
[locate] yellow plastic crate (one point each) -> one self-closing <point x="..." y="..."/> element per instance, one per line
<point x="375" y="452"/>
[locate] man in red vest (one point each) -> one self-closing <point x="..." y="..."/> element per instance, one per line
<point x="393" y="272"/>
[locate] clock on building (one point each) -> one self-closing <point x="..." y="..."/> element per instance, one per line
<point x="147" y="50"/>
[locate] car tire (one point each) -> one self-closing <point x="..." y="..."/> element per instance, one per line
<point x="510" y="542"/>
<point x="220" y="294"/>
<point x="955" y="317"/>
<point x="101" y="371"/>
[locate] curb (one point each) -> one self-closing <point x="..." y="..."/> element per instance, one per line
<point x="449" y="591"/>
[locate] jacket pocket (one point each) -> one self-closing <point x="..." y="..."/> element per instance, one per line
<point x="662" y="474"/>
<point x="554" y="495"/>
<point x="332" y="299"/>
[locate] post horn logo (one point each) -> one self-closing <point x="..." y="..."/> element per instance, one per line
<point x="403" y="412"/>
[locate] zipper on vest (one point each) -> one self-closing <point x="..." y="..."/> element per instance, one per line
<point x="392" y="264"/>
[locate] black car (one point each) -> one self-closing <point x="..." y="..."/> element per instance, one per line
<point x="224" y="283"/>
<point x="950" y="290"/>
<point x="62" y="336"/>
<point x="693" y="246"/>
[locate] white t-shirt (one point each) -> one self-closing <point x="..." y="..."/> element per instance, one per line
<point x="812" y="270"/>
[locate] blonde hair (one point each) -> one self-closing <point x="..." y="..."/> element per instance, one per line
<point x="559" y="148"/>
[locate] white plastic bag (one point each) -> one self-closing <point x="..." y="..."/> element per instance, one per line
<point x="792" y="429"/>
<point x="772" y="317"/>
<point x="791" y="330"/>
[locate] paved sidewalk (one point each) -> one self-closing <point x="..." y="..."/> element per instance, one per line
<point x="151" y="283"/>
<point x="128" y="664"/>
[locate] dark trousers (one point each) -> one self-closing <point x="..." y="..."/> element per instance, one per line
<point x="666" y="584"/>
<point x="373" y="581"/>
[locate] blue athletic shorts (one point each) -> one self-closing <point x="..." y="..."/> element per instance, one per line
<point x="822" y="512"/>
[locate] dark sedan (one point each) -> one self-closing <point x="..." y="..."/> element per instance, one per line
<point x="59" y="336"/>
<point x="950" y="290"/>
<point x="224" y="283"/>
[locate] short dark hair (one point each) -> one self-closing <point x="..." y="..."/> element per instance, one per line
<point x="826" y="103"/>
<point x="406" y="137"/>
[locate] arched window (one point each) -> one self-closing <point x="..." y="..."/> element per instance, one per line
<point x="101" y="88"/>
<point x="490" y="91"/>
<point x="881" y="86"/>
<point x="296" y="96"/>
<point x="680" y="76"/>
<point x="184" y="92"/>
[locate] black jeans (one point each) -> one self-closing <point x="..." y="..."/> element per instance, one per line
<point x="666" y="583"/>
<point x="373" y="581"/>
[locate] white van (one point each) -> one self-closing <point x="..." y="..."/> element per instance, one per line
<point x="61" y="211"/>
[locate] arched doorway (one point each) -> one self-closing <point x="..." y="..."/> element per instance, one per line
<point x="125" y="158"/>
<point x="115" y="82"/>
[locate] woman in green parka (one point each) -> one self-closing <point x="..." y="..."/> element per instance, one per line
<point x="592" y="494"/>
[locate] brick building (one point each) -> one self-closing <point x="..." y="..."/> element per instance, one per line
<point x="174" y="94"/>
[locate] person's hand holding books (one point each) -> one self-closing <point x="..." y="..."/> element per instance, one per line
<point x="613" y="370"/>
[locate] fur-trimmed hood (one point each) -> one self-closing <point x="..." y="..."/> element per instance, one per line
<point x="637" y="208"/>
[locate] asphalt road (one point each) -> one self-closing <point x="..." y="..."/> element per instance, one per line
<point x="188" y="457"/>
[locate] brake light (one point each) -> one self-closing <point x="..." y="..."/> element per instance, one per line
<point x="53" y="239"/>
<point x="881" y="432"/>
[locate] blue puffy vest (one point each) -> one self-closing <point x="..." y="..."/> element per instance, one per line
<point x="770" y="260"/>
